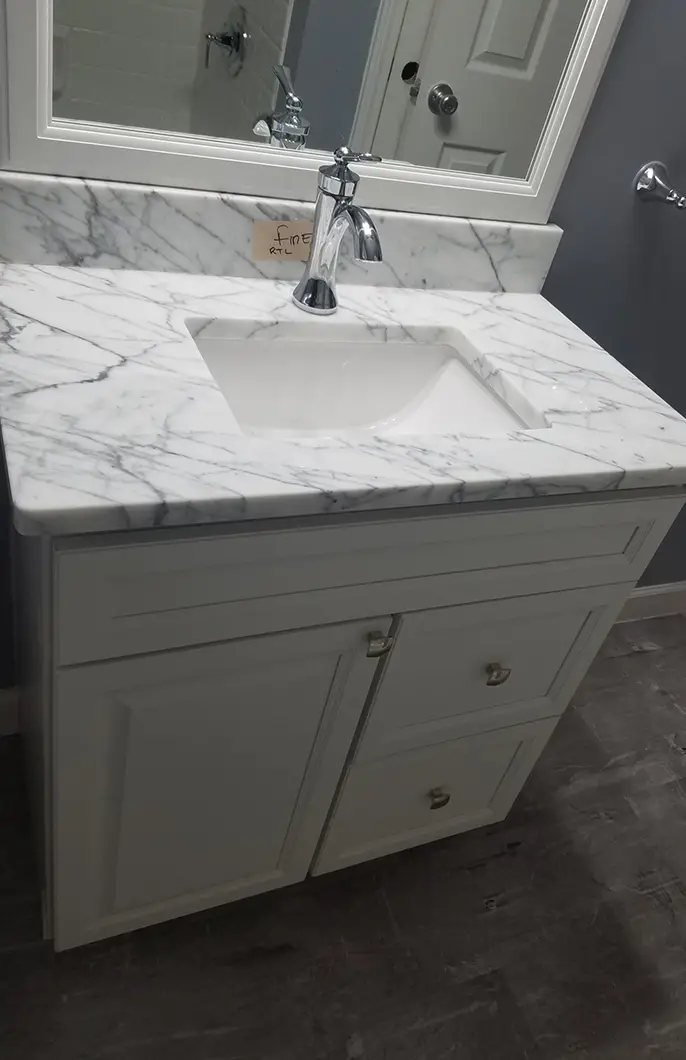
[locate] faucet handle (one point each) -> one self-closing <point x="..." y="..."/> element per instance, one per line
<point x="287" y="129"/>
<point x="283" y="76"/>
<point x="338" y="179"/>
<point x="345" y="155"/>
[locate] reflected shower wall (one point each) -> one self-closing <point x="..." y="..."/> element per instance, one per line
<point x="129" y="62"/>
<point x="226" y="105"/>
<point x="142" y="63"/>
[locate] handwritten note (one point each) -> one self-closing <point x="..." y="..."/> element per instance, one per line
<point x="285" y="240"/>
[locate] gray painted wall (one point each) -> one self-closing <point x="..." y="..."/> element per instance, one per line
<point x="620" y="272"/>
<point x="327" y="51"/>
<point x="296" y="34"/>
<point x="6" y="640"/>
<point x="6" y="645"/>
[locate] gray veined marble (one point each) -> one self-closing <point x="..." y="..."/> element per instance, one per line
<point x="111" y="419"/>
<point x="65" y="221"/>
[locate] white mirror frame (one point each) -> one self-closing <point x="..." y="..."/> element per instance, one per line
<point x="40" y="143"/>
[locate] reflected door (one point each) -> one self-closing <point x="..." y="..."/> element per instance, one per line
<point x="502" y="58"/>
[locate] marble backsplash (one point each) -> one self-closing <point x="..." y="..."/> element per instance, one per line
<point x="64" y="221"/>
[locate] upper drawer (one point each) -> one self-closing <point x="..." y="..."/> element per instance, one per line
<point x="481" y="666"/>
<point x="120" y="599"/>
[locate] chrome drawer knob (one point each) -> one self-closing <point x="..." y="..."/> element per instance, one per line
<point x="497" y="674"/>
<point x="378" y="645"/>
<point x="438" y="798"/>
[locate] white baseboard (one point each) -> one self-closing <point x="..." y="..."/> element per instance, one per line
<point x="652" y="601"/>
<point x="9" y="711"/>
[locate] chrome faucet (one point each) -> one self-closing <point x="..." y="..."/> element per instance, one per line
<point x="334" y="214"/>
<point x="289" y="128"/>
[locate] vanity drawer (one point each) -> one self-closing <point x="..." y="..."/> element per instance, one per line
<point x="153" y="591"/>
<point x="429" y="793"/>
<point x="485" y="665"/>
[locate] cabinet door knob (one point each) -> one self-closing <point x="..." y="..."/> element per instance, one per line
<point x="438" y="798"/>
<point x="497" y="674"/>
<point x="378" y="645"/>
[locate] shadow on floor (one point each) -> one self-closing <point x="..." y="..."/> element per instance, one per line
<point x="560" y="932"/>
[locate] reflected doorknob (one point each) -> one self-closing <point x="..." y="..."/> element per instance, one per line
<point x="442" y="100"/>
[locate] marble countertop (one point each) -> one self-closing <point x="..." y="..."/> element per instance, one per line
<point x="111" y="419"/>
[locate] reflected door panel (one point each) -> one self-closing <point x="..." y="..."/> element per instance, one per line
<point x="503" y="60"/>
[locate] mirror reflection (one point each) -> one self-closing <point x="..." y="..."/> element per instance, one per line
<point x="453" y="84"/>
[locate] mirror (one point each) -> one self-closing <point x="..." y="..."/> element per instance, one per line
<point x="464" y="85"/>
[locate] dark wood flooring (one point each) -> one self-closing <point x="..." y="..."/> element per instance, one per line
<point x="561" y="932"/>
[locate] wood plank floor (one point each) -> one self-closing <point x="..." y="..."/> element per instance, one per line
<point x="561" y="932"/>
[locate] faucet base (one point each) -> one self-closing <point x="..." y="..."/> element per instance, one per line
<point x="315" y="295"/>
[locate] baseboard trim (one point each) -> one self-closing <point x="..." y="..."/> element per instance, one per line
<point x="9" y="711"/>
<point x="654" y="601"/>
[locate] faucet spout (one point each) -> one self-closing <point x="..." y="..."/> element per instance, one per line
<point x="316" y="292"/>
<point x="334" y="214"/>
<point x="366" y="242"/>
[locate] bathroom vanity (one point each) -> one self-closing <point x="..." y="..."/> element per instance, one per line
<point x="264" y="639"/>
<point x="296" y="591"/>
<point x="225" y="710"/>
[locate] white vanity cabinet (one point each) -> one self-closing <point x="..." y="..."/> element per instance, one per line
<point x="212" y="713"/>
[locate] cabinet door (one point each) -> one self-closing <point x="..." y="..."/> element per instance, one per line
<point x="425" y="794"/>
<point x="188" y="779"/>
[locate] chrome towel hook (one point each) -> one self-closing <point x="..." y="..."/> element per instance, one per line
<point x="652" y="184"/>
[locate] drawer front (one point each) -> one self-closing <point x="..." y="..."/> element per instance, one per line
<point x="429" y="793"/>
<point x="122" y="599"/>
<point x="456" y="667"/>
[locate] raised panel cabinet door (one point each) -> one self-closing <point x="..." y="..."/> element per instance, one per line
<point x="188" y="779"/>
<point x="432" y="792"/>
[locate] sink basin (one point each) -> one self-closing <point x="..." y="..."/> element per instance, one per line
<point x="300" y="380"/>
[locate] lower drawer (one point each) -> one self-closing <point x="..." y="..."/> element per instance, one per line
<point x="428" y="793"/>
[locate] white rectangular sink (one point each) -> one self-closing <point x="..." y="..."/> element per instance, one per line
<point x="305" y="380"/>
